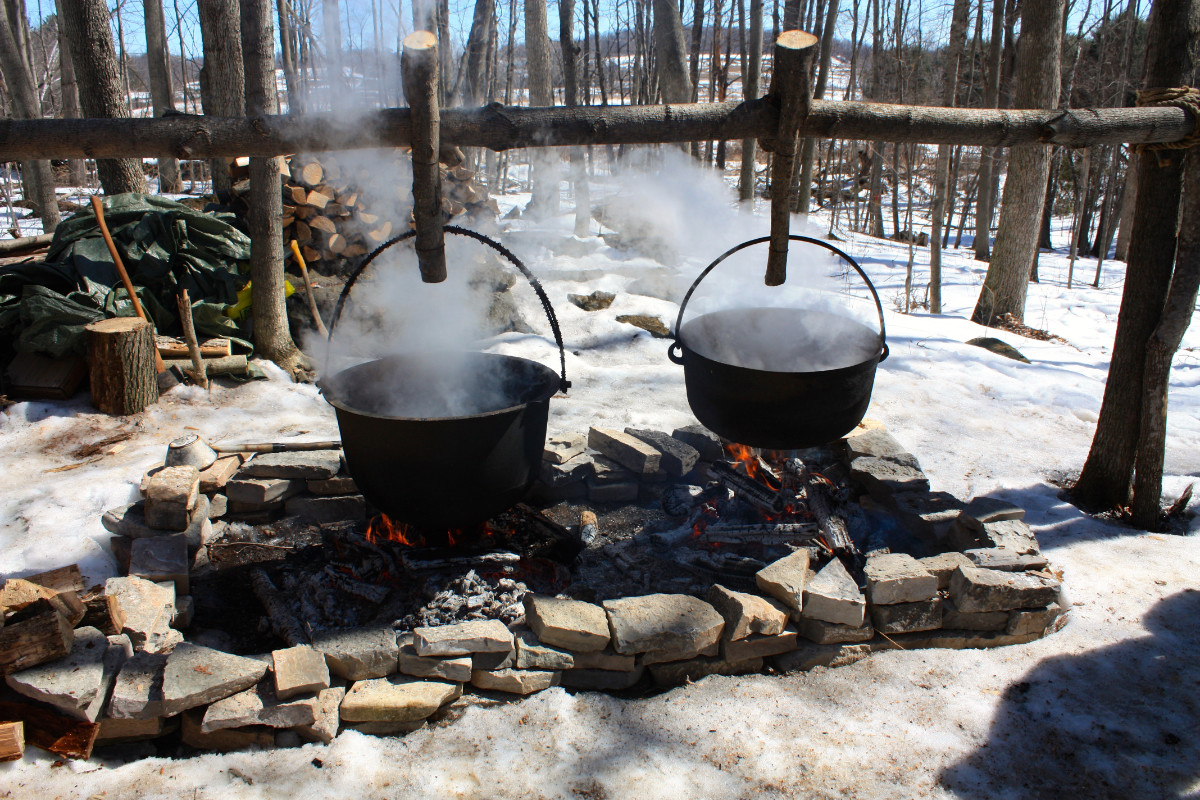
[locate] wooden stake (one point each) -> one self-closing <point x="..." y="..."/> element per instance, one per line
<point x="418" y="68"/>
<point x="189" y="335"/>
<point x="791" y="88"/>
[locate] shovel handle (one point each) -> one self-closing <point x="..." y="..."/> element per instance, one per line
<point x="98" y="207"/>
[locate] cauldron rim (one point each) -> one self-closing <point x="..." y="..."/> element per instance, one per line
<point x="549" y="380"/>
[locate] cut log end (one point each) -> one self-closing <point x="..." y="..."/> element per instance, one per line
<point x="420" y="40"/>
<point x="796" y="40"/>
<point x="12" y="741"/>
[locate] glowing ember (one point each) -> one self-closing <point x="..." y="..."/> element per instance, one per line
<point x="382" y="529"/>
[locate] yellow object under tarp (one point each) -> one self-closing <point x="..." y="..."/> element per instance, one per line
<point x="238" y="310"/>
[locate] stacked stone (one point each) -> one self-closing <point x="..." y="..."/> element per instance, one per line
<point x="611" y="466"/>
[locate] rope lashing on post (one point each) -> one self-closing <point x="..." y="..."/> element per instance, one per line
<point x="1185" y="97"/>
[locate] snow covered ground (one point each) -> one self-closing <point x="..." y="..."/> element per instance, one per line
<point x="1108" y="707"/>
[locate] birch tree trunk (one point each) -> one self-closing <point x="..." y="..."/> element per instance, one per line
<point x="157" y="58"/>
<point x="1037" y="86"/>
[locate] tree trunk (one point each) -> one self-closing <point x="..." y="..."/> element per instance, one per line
<point x="672" y="63"/>
<point x="158" y="56"/>
<point x="331" y="35"/>
<point x="804" y="190"/>
<point x="694" y="55"/>
<point x="941" y="174"/>
<point x="76" y="168"/>
<point x="541" y="93"/>
<point x="120" y="355"/>
<point x="222" y="80"/>
<point x="288" y="57"/>
<point x="1174" y="26"/>
<point x="1083" y="180"/>
<point x="753" y="77"/>
<point x="272" y="338"/>
<point x="1128" y="206"/>
<point x="474" y="82"/>
<point x="1037" y="80"/>
<point x="988" y="156"/>
<point x="25" y="105"/>
<point x="579" y="176"/>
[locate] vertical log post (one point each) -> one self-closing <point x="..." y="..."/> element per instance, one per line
<point x="791" y="90"/>
<point x="120" y="355"/>
<point x="419" y="69"/>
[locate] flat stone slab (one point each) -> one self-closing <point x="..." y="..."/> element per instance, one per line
<point x="1033" y="620"/>
<point x="974" y="589"/>
<point x="1005" y="560"/>
<point x="569" y="624"/>
<point x="326" y="718"/>
<point x="119" y="731"/>
<point x="323" y="510"/>
<point x="514" y="681"/>
<point x="129" y="520"/>
<point x="299" y="670"/>
<point x="924" y="615"/>
<point x="608" y="660"/>
<point x="833" y="596"/>
<point x="883" y="478"/>
<point x="533" y="654"/>
<point x="977" y="621"/>
<point x="259" y="705"/>
<point x="829" y="633"/>
<point x="195" y="676"/>
<point x="943" y="565"/>
<point x="680" y="672"/>
<point x="618" y="492"/>
<point x="305" y="465"/>
<point x="929" y="514"/>
<point x="141" y="609"/>
<point x="878" y="443"/>
<point x="626" y="450"/>
<point x="601" y="680"/>
<point x="170" y="496"/>
<point x="663" y="622"/>
<point x="449" y="668"/>
<point x="705" y="442"/>
<point x="337" y="485"/>
<point x="162" y="558"/>
<point x="562" y="448"/>
<point x="226" y="740"/>
<point x="786" y="579"/>
<point x="476" y="636"/>
<point x="898" y="578"/>
<point x="759" y="646"/>
<point x="396" y="699"/>
<point x="558" y="475"/>
<point x="989" y="509"/>
<point x="78" y="684"/>
<point x="747" y="614"/>
<point x="137" y="691"/>
<point x="677" y="458"/>
<point x="678" y="653"/>
<point x="360" y="653"/>
<point x="214" y="477"/>
<point x="1011" y="534"/>
<point x="246" y="493"/>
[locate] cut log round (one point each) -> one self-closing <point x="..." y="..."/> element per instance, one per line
<point x="303" y="233"/>
<point x="323" y="224"/>
<point x="12" y="741"/>
<point x="337" y="244"/>
<point x="121" y="364"/>
<point x="317" y="199"/>
<point x="312" y="173"/>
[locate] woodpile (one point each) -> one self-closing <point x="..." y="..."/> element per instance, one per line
<point x="336" y="211"/>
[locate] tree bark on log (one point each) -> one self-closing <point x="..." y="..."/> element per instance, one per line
<point x="120" y="355"/>
<point x="1038" y="53"/>
<point x="1105" y="480"/>
<point x="100" y="90"/>
<point x="499" y="127"/>
<point x="51" y="731"/>
<point x="45" y="634"/>
<point x="419" y="70"/>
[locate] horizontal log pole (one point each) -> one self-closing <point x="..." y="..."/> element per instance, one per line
<point x="500" y="127"/>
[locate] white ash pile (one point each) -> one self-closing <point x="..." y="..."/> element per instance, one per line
<point x="468" y="597"/>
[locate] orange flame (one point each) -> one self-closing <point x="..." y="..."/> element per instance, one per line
<point x="746" y="456"/>
<point x="383" y="529"/>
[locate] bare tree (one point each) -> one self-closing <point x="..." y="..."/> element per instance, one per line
<point x="76" y="169"/>
<point x="157" y="57"/>
<point x="804" y="190"/>
<point x="751" y="90"/>
<point x="100" y="88"/>
<point x="541" y="93"/>
<point x="222" y="80"/>
<point x="672" y="54"/>
<point x="579" y="176"/>
<point x="988" y="156"/>
<point x="474" y="81"/>
<point x="1037" y="86"/>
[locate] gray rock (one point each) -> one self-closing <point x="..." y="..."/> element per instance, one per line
<point x="514" y="681"/>
<point x="974" y="590"/>
<point x="608" y="660"/>
<point x="129" y="521"/>
<point x="989" y="509"/>
<point x="141" y="609"/>
<point x="759" y="646"/>
<point x="396" y="699"/>
<point x="924" y="615"/>
<point x="360" y="653"/>
<point x="217" y="508"/>
<point x="185" y="611"/>
<point x="681" y="672"/>
<point x="170" y="497"/>
<point x="329" y="487"/>
<point x="898" y="578"/>
<point x="978" y="621"/>
<point x="677" y="458"/>
<point x="678" y="653"/>
<point x="622" y="492"/>
<point x="122" y="731"/>
<point x="558" y="474"/>
<point x="1011" y="534"/>
<point x="259" y="705"/>
<point x="326" y="718"/>
<point x="222" y="741"/>
<point x="532" y="654"/>
<point x="562" y="448"/>
<point x="450" y="668"/>
<point x="162" y="558"/>
<point x="829" y="633"/>
<point x="493" y="661"/>
<point x="601" y="680"/>
<point x="476" y="636"/>
<point x="137" y="691"/>
<point x="246" y="494"/>
<point x="707" y="443"/>
<point x="304" y="465"/>
<point x="883" y="478"/>
<point x="77" y="685"/>
<point x="629" y="452"/>
<point x="1005" y="560"/>
<point x="927" y="514"/>
<point x="1031" y="620"/>
<point x="999" y="347"/>
<point x="785" y="579"/>
<point x="200" y="529"/>
<point x="833" y="596"/>
<point x="878" y="443"/>
<point x="942" y="566"/>
<point x="195" y="676"/>
<point x="596" y="301"/>
<point x="214" y="477"/>
<point x="324" y="510"/>
<point x="299" y="670"/>
<point x="569" y="624"/>
<point x="663" y="622"/>
<point x="605" y="470"/>
<point x="746" y="614"/>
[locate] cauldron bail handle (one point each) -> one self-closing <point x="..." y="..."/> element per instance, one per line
<point x="674" y="352"/>
<point x="563" y="383"/>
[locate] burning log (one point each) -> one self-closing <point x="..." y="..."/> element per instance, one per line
<point x="766" y="534"/>
<point x="413" y="564"/>
<point x="748" y="489"/>
<point x="832" y="525"/>
<point x="278" y="608"/>
<point x="371" y="592"/>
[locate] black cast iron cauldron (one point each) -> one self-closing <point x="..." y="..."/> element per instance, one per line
<point x="807" y="390"/>
<point x="444" y="472"/>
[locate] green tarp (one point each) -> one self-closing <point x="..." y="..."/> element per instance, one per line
<point x="165" y="246"/>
